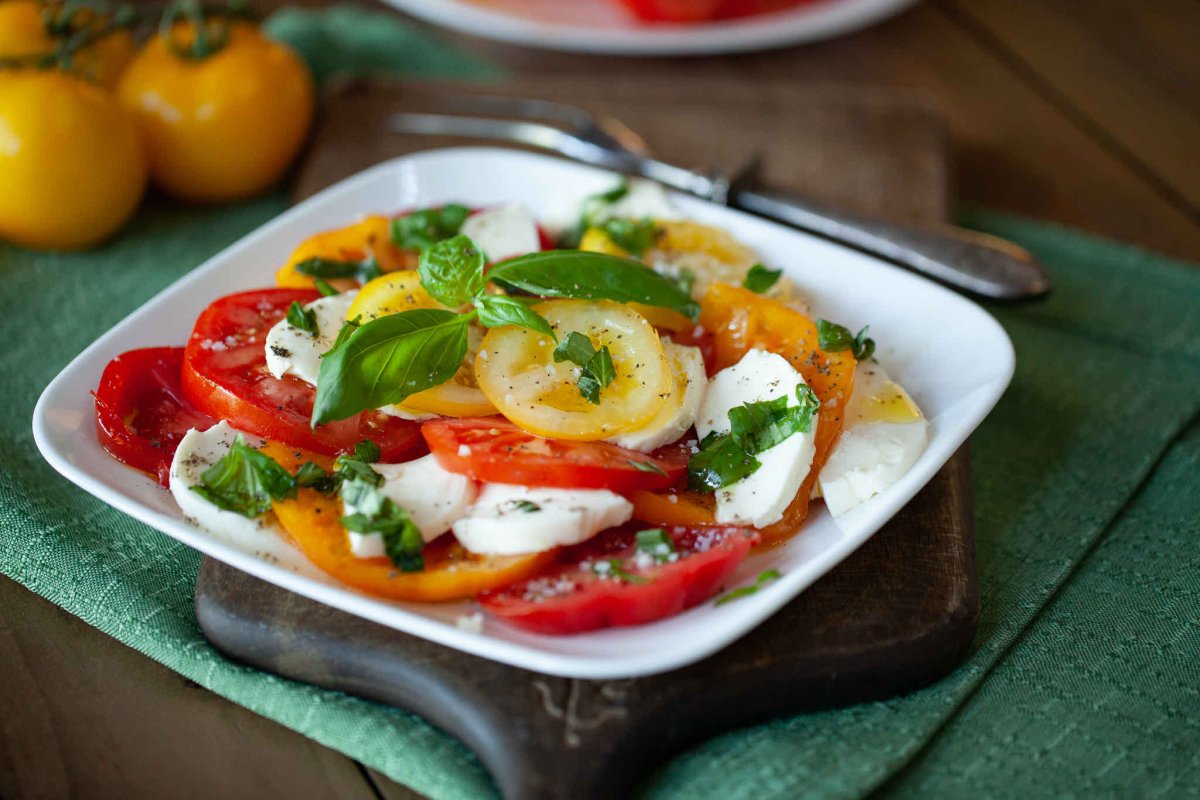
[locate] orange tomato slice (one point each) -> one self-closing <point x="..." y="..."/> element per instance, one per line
<point x="451" y="573"/>
<point x="369" y="238"/>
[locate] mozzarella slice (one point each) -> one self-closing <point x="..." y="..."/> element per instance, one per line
<point x="503" y="232"/>
<point x="760" y="498"/>
<point x="433" y="498"/>
<point x="197" y="451"/>
<point x="291" y="351"/>
<point x="644" y="199"/>
<point x="403" y="413"/>
<point x="884" y="434"/>
<point x="678" y="413"/>
<point x="507" y="520"/>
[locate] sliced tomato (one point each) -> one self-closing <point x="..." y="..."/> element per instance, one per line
<point x="141" y="411"/>
<point x="604" y="582"/>
<point x="225" y="375"/>
<point x="495" y="450"/>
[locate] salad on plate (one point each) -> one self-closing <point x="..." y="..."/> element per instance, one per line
<point x="580" y="422"/>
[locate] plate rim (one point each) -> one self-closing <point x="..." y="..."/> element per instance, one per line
<point x="740" y="619"/>
<point x="776" y="30"/>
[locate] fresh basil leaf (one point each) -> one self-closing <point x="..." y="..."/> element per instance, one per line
<point x="348" y="327"/>
<point x="452" y="271"/>
<point x="362" y="271"/>
<point x="864" y="348"/>
<point x="303" y="318"/>
<point x="655" y="542"/>
<point x="388" y="359"/>
<point x="834" y="338"/>
<point x="634" y="236"/>
<point x="719" y="463"/>
<point x="498" y="309"/>
<point x="576" y="348"/>
<point x="613" y="569"/>
<point x="245" y="481"/>
<point x="376" y="513"/>
<point x="311" y="476"/>
<point x="647" y="466"/>
<point x="685" y="279"/>
<point x="601" y="367"/>
<point x="367" y="451"/>
<point x="762" y="580"/>
<point x="593" y="276"/>
<point x="759" y="279"/>
<point x="428" y="226"/>
<point x="324" y="288"/>
<point x="527" y="506"/>
<point x="595" y="207"/>
<point x="757" y="427"/>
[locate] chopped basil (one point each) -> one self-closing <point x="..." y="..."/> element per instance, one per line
<point x="597" y="367"/>
<point x="595" y="207"/>
<point x="428" y="226"/>
<point x="762" y="580"/>
<point x="759" y="279"/>
<point x="376" y="513"/>
<point x="363" y="271"/>
<point x="324" y="288"/>
<point x="725" y="459"/>
<point x="245" y="481"/>
<point x="612" y="568"/>
<point x="834" y="338"/>
<point x="368" y="451"/>
<point x="528" y="506"/>
<point x="311" y="476"/>
<point x="647" y="466"/>
<point x="633" y="236"/>
<point x="303" y="318"/>
<point x="655" y="542"/>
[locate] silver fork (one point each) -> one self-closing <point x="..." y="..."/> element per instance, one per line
<point x="973" y="262"/>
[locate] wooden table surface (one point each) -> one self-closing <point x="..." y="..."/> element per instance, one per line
<point x="1087" y="118"/>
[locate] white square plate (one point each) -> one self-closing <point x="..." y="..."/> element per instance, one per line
<point x="956" y="381"/>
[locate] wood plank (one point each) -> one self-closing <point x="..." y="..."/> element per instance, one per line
<point x="84" y="716"/>
<point x="1014" y="150"/>
<point x="1130" y="71"/>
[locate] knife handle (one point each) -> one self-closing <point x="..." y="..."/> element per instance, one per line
<point x="974" y="262"/>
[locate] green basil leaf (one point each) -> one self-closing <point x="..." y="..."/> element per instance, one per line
<point x="452" y="271"/>
<point x="303" y="318"/>
<point x="762" y="580"/>
<point x="864" y="348"/>
<point x="576" y="348"/>
<point x="389" y="359"/>
<point x="759" y="279"/>
<point x="311" y="476"/>
<point x="757" y="427"/>
<point x="613" y="569"/>
<point x="376" y="513"/>
<point x="655" y="542"/>
<point x="528" y="506"/>
<point x="427" y="226"/>
<point x="367" y="451"/>
<point x="833" y="338"/>
<point x="601" y="367"/>
<point x="595" y="207"/>
<point x="719" y="463"/>
<point x="498" y="309"/>
<point x="245" y="481"/>
<point x="324" y="288"/>
<point x="593" y="276"/>
<point x="635" y="236"/>
<point x="647" y="466"/>
<point x="362" y="271"/>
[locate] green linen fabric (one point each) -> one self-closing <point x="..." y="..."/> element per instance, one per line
<point x="1082" y="680"/>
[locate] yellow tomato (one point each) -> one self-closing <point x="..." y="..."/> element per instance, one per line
<point x="23" y="33"/>
<point x="402" y="291"/>
<point x="517" y="372"/>
<point x="71" y="164"/>
<point x="222" y="127"/>
<point x="370" y="237"/>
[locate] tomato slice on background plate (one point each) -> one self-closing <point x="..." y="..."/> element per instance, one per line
<point x="494" y="449"/>
<point x="141" y="410"/>
<point x="225" y="375"/>
<point x="572" y="597"/>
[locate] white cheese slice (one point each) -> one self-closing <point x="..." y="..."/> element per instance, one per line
<point x="884" y="434"/>
<point x="197" y="451"/>
<point x="504" y="520"/>
<point x="644" y="199"/>
<point x="760" y="498"/>
<point x="678" y="413"/>
<point x="433" y="498"/>
<point x="291" y="351"/>
<point x="503" y="232"/>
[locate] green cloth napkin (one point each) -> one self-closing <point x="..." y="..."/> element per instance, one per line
<point x="1082" y="679"/>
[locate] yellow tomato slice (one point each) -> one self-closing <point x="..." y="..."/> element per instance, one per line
<point x="451" y="573"/>
<point x="517" y="372"/>
<point x="369" y="238"/>
<point x="390" y="294"/>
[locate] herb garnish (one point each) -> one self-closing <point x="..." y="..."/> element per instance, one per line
<point x="374" y="512"/>
<point x="612" y="568"/>
<point x="428" y="226"/>
<point x="363" y="271"/>
<point x="726" y="458"/>
<point x="762" y="580"/>
<point x="633" y="236"/>
<point x="324" y="288"/>
<point x="528" y="506"/>
<point x="647" y="466"/>
<point x="245" y="481"/>
<point x="655" y="542"/>
<point x="834" y="338"/>
<point x="595" y="206"/>
<point x="303" y="318"/>
<point x="597" y="367"/>
<point x="388" y="359"/>
<point x="759" y="279"/>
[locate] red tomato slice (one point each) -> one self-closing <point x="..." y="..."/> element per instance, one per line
<point x="572" y="597"/>
<point x="495" y="450"/>
<point x="225" y="375"/>
<point x="141" y="411"/>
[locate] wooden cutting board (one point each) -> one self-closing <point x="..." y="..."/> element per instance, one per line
<point x="897" y="614"/>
